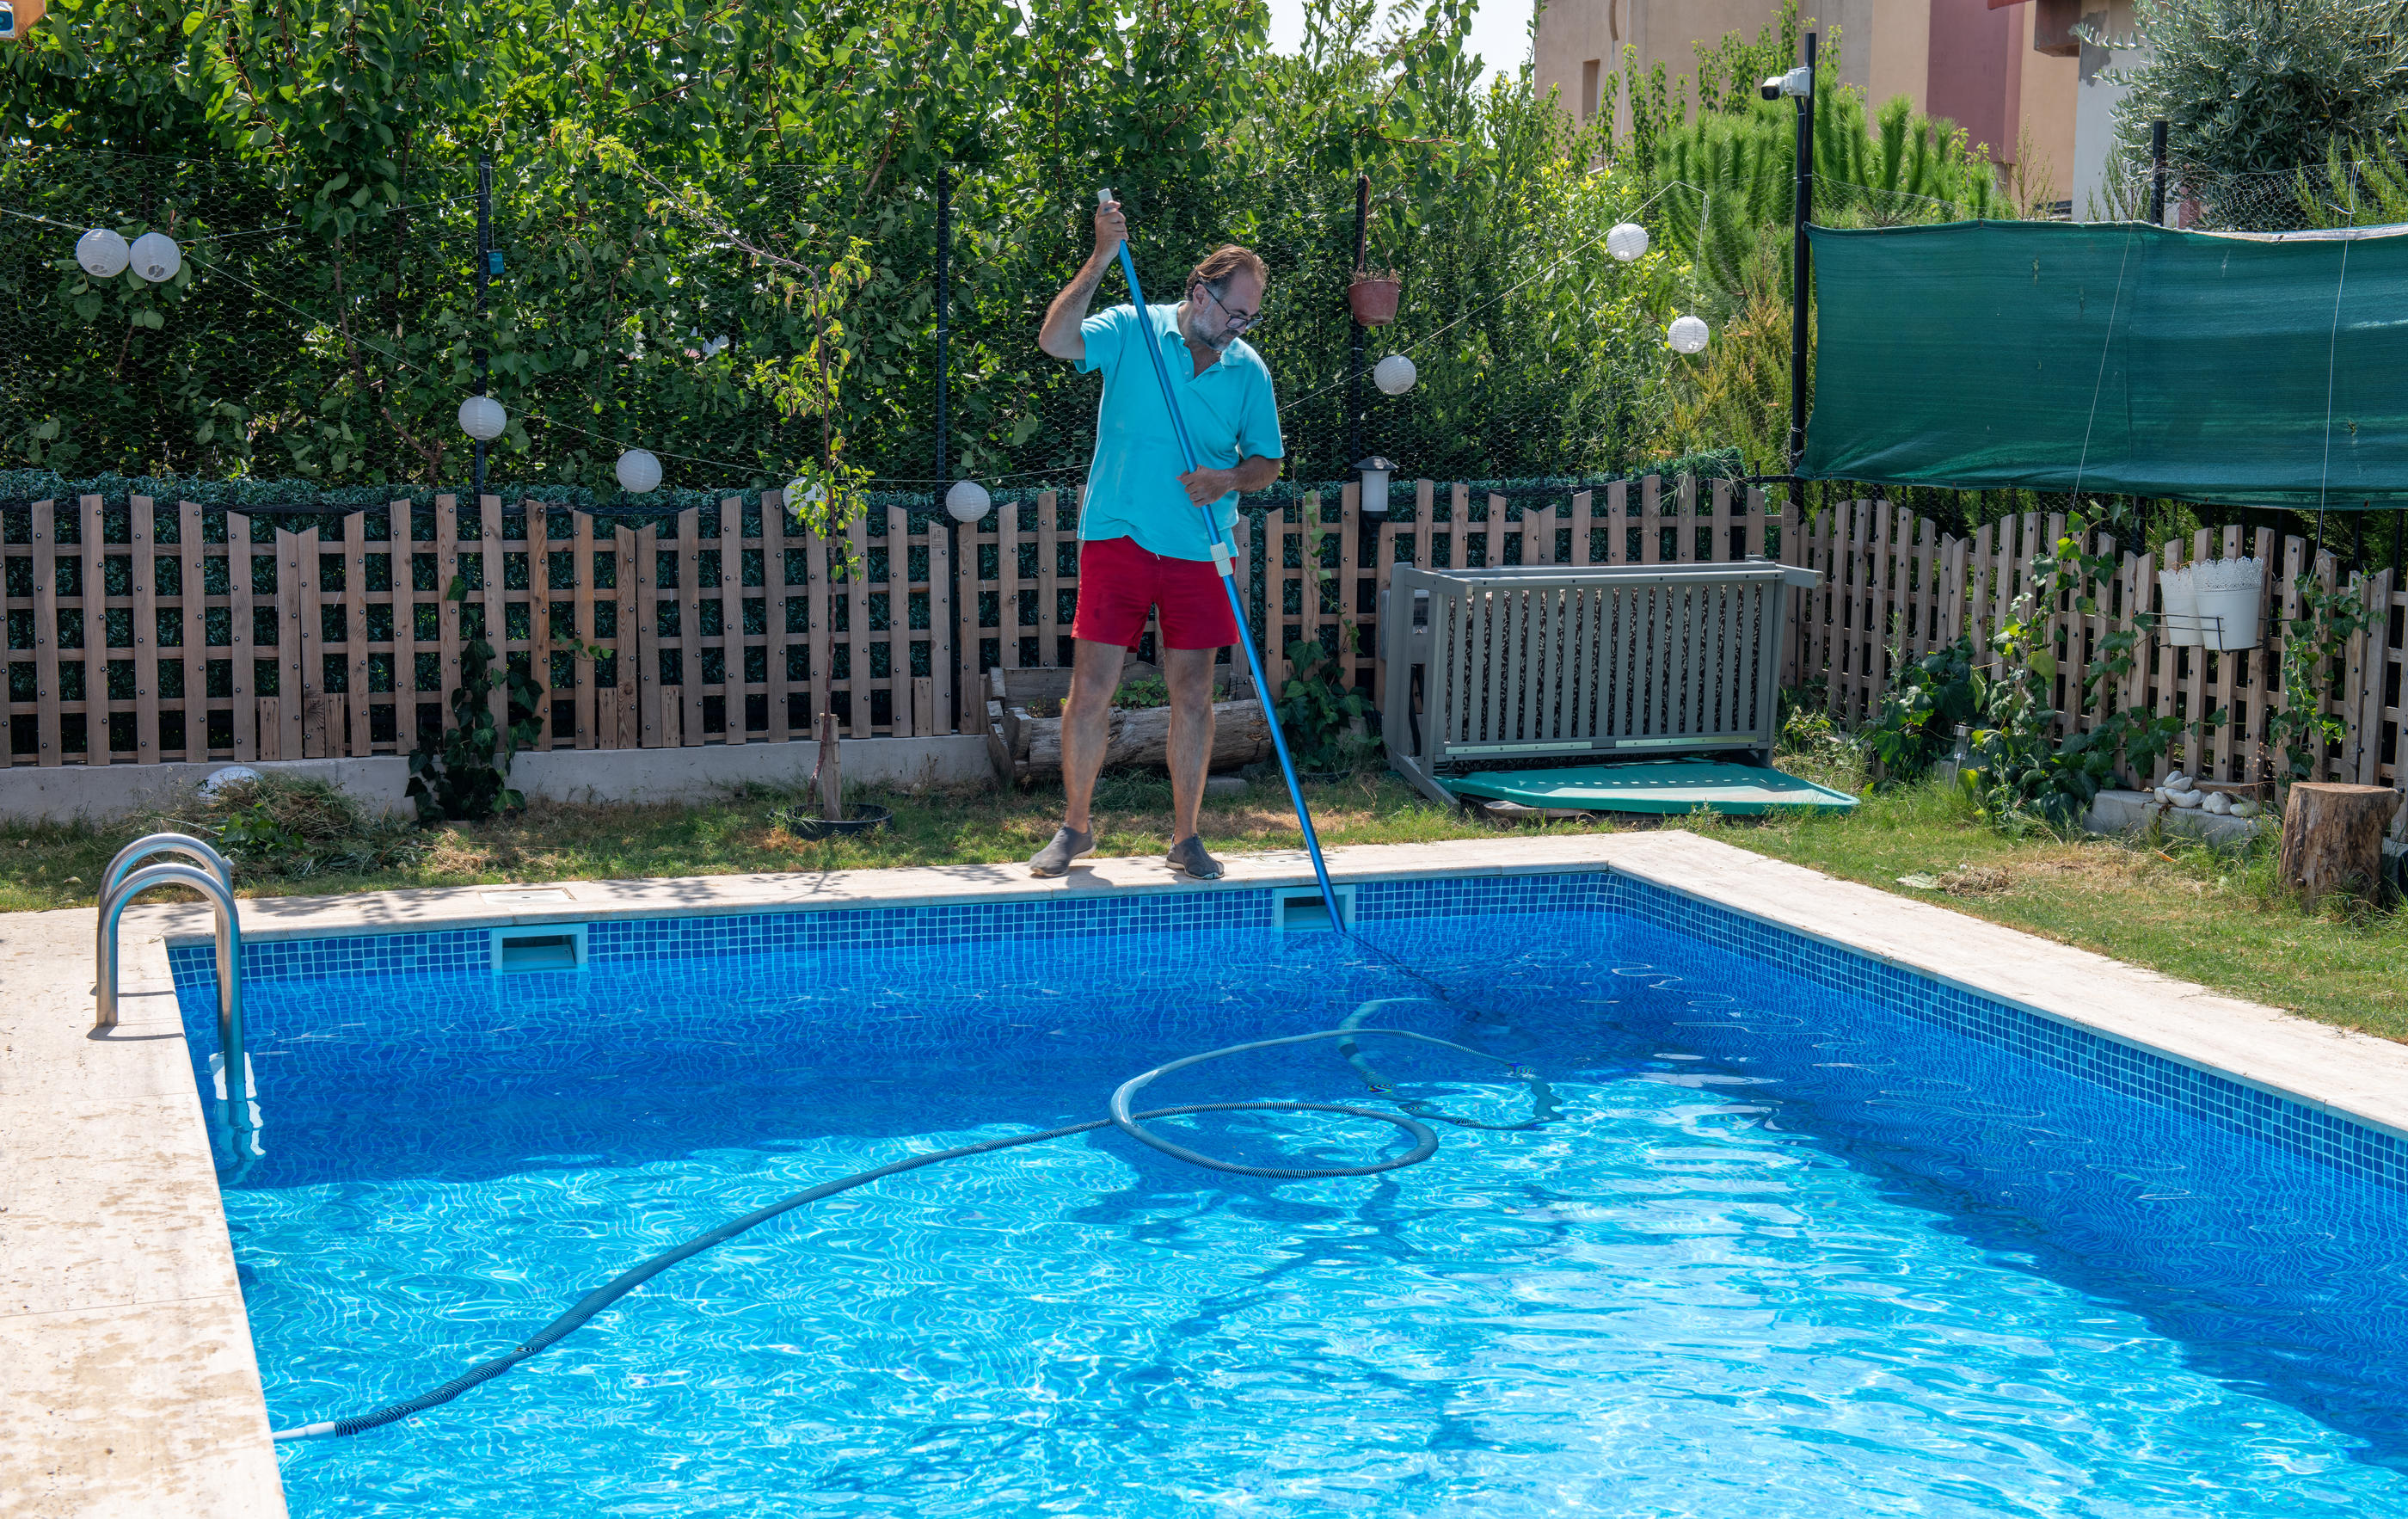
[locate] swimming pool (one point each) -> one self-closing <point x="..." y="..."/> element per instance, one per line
<point x="1807" y="1234"/>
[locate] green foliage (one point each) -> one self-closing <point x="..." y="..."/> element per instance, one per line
<point x="1730" y="177"/>
<point x="672" y="175"/>
<point x="466" y="775"/>
<point x="2254" y="86"/>
<point x="2312" y="642"/>
<point x="1725" y="80"/>
<point x="1928" y="699"/>
<point x="286" y="827"/>
<point x="2023" y="771"/>
<point x="1321" y="715"/>
<point x="2362" y="183"/>
<point x="1145" y="691"/>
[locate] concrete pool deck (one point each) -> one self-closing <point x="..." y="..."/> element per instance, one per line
<point x="127" y="1380"/>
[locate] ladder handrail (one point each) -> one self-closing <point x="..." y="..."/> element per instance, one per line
<point x="104" y="948"/>
<point x="163" y="843"/>
<point x="229" y="937"/>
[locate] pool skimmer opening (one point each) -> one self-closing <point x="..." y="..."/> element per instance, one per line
<point x="544" y="946"/>
<point x="1296" y="909"/>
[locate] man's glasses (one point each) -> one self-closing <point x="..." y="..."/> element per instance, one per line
<point x="1239" y="320"/>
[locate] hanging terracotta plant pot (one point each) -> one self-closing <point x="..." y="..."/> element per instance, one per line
<point x="1373" y="295"/>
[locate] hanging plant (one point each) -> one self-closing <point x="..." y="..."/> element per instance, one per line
<point x="1373" y="295"/>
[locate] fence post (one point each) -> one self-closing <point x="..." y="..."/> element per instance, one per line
<point x="2158" y="173"/>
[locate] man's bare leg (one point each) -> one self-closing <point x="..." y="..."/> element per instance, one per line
<point x="1188" y="672"/>
<point x="1086" y="726"/>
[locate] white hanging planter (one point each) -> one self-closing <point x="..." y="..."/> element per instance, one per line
<point x="2230" y="595"/>
<point x="2214" y="604"/>
<point x="2181" y="623"/>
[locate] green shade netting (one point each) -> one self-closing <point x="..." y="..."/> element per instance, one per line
<point x="2114" y="358"/>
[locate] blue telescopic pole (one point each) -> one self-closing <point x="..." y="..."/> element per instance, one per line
<point x="1228" y="582"/>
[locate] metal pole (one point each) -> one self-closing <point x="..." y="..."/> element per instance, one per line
<point x="944" y="237"/>
<point x="2158" y="173"/>
<point x="484" y="273"/>
<point x="1355" y="348"/>
<point x="1800" y="211"/>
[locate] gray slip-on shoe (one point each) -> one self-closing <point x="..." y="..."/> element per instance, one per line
<point x="1188" y="858"/>
<point x="1055" y="858"/>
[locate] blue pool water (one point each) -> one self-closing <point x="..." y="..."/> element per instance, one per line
<point x="1787" y="1250"/>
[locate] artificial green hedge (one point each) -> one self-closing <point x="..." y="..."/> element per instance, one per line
<point x="21" y="487"/>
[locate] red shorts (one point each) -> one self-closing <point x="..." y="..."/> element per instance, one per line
<point x="1119" y="584"/>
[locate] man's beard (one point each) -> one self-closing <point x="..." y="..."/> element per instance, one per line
<point x="1218" y="340"/>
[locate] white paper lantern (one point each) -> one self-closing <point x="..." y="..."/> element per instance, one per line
<point x="156" y="257"/>
<point x="639" y="471"/>
<point x="803" y="492"/>
<point x="1626" y="241"/>
<point x="483" y="418"/>
<point x="1687" y="335"/>
<point x="967" y="501"/>
<point x="102" y="253"/>
<point x="1395" y="375"/>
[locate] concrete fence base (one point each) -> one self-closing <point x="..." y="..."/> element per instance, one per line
<point x="65" y="793"/>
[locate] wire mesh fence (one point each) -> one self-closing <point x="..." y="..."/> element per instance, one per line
<point x="617" y="318"/>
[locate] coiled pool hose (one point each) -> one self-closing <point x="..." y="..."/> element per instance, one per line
<point x="1132" y="1124"/>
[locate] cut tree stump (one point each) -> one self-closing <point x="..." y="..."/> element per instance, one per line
<point x="2332" y="835"/>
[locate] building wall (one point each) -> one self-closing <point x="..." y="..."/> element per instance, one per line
<point x="1574" y="34"/>
<point x="1973" y="81"/>
<point x="2051" y="89"/>
<point x="2094" y="125"/>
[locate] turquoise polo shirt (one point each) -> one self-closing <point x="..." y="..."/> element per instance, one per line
<point x="1133" y="488"/>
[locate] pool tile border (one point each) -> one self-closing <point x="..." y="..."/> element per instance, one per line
<point x="2344" y="1141"/>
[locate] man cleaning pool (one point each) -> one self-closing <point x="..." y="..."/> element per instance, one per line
<point x="1142" y="544"/>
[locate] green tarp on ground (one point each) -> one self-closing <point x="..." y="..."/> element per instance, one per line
<point x="1675" y="786"/>
<point x="2118" y="358"/>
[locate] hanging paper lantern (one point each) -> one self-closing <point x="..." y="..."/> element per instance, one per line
<point x="483" y="418"/>
<point x="1395" y="375"/>
<point x="1687" y="335"/>
<point x="801" y="492"/>
<point x="1626" y="241"/>
<point x="967" y="501"/>
<point x="102" y="253"/>
<point x="156" y="257"/>
<point x="639" y="471"/>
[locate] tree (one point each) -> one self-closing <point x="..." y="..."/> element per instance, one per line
<point x="680" y="190"/>
<point x="2257" y="86"/>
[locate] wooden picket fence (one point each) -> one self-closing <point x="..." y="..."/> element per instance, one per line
<point x="1894" y="587"/>
<point x="208" y="636"/>
<point x="217" y="636"/>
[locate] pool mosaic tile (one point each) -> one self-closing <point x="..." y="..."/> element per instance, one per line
<point x="2356" y="1149"/>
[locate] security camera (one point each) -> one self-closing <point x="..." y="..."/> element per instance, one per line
<point x="1771" y="88"/>
<point x="1798" y="82"/>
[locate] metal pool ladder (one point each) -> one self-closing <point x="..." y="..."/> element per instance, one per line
<point x="121" y="884"/>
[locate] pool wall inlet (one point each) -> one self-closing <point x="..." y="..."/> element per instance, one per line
<point x="125" y="1357"/>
